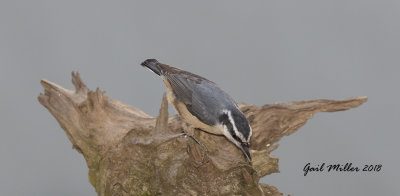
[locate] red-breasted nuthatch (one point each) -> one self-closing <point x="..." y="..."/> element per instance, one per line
<point x="202" y="104"/>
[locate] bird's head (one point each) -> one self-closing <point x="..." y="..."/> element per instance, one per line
<point x="237" y="129"/>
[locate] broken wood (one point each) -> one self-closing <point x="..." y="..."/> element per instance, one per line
<point x="129" y="152"/>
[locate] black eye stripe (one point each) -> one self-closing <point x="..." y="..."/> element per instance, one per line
<point x="242" y="124"/>
<point x="224" y="119"/>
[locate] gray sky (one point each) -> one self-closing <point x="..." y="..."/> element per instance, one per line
<point x="260" y="52"/>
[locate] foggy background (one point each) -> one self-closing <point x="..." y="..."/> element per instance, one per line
<point x="260" y="52"/>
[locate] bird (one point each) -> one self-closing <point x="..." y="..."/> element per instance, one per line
<point x="203" y="105"/>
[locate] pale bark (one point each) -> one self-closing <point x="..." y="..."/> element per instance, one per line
<point x="129" y="152"/>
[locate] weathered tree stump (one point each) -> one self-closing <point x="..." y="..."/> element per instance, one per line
<point x="129" y="152"/>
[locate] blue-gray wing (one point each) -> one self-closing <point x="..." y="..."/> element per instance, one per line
<point x="203" y="98"/>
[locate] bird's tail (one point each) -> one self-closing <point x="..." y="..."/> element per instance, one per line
<point x="152" y="65"/>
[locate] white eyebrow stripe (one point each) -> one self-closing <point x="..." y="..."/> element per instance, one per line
<point x="251" y="133"/>
<point x="240" y="135"/>
<point x="227" y="134"/>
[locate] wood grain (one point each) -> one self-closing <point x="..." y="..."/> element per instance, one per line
<point x="129" y="152"/>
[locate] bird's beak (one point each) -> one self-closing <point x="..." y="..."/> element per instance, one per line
<point x="245" y="149"/>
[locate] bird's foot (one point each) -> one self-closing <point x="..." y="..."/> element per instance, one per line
<point x="203" y="147"/>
